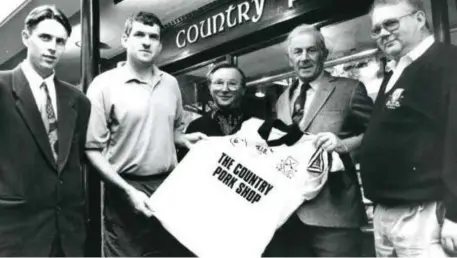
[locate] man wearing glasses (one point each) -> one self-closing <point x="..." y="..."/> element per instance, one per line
<point x="227" y="88"/>
<point x="409" y="155"/>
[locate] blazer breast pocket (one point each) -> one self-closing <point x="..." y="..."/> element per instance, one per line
<point x="329" y="121"/>
<point x="11" y="186"/>
<point x="331" y="112"/>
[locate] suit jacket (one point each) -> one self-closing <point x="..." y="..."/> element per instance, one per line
<point x="209" y="126"/>
<point x="40" y="197"/>
<point x="340" y="106"/>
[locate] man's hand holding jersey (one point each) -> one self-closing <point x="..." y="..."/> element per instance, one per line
<point x="449" y="237"/>
<point x="139" y="201"/>
<point x="330" y="142"/>
<point x="188" y="140"/>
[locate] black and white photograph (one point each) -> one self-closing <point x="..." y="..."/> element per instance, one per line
<point x="228" y="128"/>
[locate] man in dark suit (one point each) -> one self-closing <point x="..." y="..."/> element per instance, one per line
<point x="408" y="158"/>
<point x="43" y="125"/>
<point x="337" y="110"/>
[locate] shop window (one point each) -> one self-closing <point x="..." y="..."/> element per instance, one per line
<point x="452" y="9"/>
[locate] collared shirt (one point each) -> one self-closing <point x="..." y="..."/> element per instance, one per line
<point x="134" y="121"/>
<point x="407" y="59"/>
<point x="35" y="81"/>
<point x="310" y="93"/>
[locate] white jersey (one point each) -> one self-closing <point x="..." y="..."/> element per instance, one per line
<point x="229" y="194"/>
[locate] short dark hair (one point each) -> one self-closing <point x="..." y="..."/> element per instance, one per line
<point x="416" y="5"/>
<point x="45" y="12"/>
<point x="226" y="65"/>
<point x="146" y="18"/>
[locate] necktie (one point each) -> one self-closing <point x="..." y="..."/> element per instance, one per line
<point x="50" y="122"/>
<point x="299" y="104"/>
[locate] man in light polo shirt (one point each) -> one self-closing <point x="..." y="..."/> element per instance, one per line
<point x="134" y="124"/>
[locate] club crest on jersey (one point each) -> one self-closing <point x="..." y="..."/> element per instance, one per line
<point x="288" y="167"/>
<point x="263" y="149"/>
<point x="394" y="99"/>
<point x="236" y="141"/>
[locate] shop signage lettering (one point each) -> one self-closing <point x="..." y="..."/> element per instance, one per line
<point x="291" y="3"/>
<point x="231" y="21"/>
<point x="247" y="11"/>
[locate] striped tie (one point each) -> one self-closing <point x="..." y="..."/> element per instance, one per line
<point x="50" y="122"/>
<point x="299" y="105"/>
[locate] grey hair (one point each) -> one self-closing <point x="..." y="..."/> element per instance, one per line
<point x="307" y="29"/>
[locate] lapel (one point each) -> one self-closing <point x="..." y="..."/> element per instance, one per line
<point x="283" y="107"/>
<point x="27" y="107"/>
<point x="321" y="96"/>
<point x="66" y="121"/>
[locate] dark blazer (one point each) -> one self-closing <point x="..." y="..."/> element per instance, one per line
<point x="209" y="126"/>
<point x="340" y="106"/>
<point x="409" y="153"/>
<point x="40" y="197"/>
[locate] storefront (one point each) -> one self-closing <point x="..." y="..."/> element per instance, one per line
<point x="249" y="33"/>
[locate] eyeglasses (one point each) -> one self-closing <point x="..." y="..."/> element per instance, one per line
<point x="390" y="25"/>
<point x="231" y="85"/>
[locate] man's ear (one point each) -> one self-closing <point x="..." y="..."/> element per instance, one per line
<point x="25" y="37"/>
<point x="291" y="63"/>
<point x="421" y="18"/>
<point x="325" y="52"/>
<point x="124" y="38"/>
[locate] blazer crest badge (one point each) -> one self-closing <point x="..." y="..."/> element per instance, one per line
<point x="394" y="99"/>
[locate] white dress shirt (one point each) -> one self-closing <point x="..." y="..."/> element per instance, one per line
<point x="35" y="81"/>
<point x="407" y="59"/>
<point x="310" y="94"/>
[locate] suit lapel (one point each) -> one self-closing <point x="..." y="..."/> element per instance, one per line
<point x="65" y="121"/>
<point x="283" y="107"/>
<point x="323" y="92"/>
<point x="27" y="107"/>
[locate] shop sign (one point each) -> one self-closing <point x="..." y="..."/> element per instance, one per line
<point x="228" y="22"/>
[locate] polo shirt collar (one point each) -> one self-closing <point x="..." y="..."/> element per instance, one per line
<point x="128" y="75"/>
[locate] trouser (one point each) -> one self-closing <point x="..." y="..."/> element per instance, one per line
<point x="130" y="234"/>
<point x="56" y="248"/>
<point x="408" y="230"/>
<point x="295" y="239"/>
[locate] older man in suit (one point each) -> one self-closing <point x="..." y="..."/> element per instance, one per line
<point x="43" y="123"/>
<point x="337" y="110"/>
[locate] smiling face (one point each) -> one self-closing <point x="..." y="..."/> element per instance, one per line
<point x="45" y="45"/>
<point x="142" y="43"/>
<point x="226" y="87"/>
<point x="408" y="33"/>
<point x="306" y="56"/>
